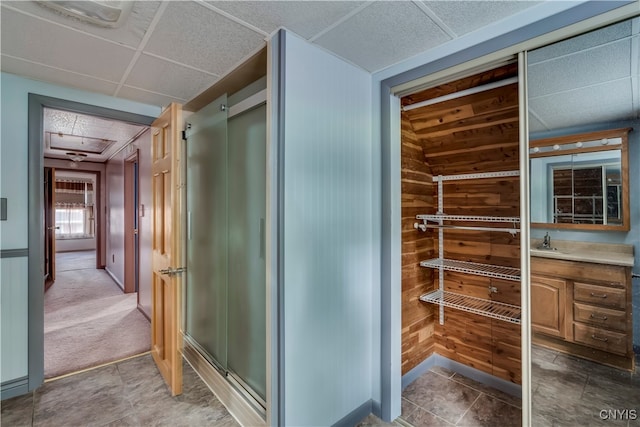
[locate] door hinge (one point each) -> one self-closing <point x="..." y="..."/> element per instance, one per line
<point x="184" y="135"/>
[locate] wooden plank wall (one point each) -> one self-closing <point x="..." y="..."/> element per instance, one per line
<point x="476" y="133"/>
<point x="417" y="198"/>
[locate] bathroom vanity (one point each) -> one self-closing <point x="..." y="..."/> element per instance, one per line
<point x="581" y="300"/>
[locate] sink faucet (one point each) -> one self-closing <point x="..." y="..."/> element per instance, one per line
<point x="546" y="242"/>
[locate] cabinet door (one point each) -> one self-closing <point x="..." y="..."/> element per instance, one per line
<point x="548" y="304"/>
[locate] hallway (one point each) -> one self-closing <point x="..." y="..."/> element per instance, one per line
<point x="88" y="320"/>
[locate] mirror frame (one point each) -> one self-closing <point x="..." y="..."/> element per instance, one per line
<point x="622" y="133"/>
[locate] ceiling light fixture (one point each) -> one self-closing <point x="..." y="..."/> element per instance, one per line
<point x="103" y="13"/>
<point x="76" y="157"/>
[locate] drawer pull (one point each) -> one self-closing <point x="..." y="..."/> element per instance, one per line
<point x="598" y="295"/>
<point x="595" y="316"/>
<point x="595" y="337"/>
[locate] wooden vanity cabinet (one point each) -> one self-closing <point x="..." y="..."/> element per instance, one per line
<point x="583" y="308"/>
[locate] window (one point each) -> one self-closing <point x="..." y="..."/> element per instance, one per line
<point x="74" y="209"/>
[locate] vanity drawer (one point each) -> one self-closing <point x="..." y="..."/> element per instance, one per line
<point x="613" y="342"/>
<point x="599" y="295"/>
<point x="604" y="317"/>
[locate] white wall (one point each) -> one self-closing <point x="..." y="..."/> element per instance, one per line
<point x="13" y="305"/>
<point x="328" y="237"/>
<point x="14" y="186"/>
<point x="115" y="218"/>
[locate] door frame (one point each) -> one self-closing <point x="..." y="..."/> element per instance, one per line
<point x="388" y="85"/>
<point x="35" y="165"/>
<point x="49" y="227"/>
<point x="131" y="226"/>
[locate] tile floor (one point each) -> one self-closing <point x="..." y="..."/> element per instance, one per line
<point x="567" y="391"/>
<point x="127" y="393"/>
<point x="444" y="398"/>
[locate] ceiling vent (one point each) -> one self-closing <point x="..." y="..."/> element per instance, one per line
<point x="103" y="13"/>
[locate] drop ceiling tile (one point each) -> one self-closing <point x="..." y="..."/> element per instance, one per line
<point x="535" y="125"/>
<point x="88" y="126"/>
<point x="589" y="67"/>
<point x="55" y="76"/>
<point x="130" y="33"/>
<point x="145" y="97"/>
<point x="465" y="16"/>
<point x="305" y="18"/>
<point x="39" y="41"/>
<point x="382" y="34"/>
<point x="581" y="42"/>
<point x="194" y="35"/>
<point x="158" y="75"/>
<point x="610" y="101"/>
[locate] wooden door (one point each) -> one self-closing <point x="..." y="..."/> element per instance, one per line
<point x="49" y="227"/>
<point x="167" y="258"/>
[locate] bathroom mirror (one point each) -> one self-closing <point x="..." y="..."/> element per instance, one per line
<point x="581" y="181"/>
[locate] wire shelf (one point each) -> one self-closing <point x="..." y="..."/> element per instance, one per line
<point x="499" y="174"/>
<point x="487" y="270"/>
<point x="469" y="218"/>
<point x="493" y="309"/>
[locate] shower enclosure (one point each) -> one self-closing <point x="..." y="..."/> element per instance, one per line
<point x="225" y="308"/>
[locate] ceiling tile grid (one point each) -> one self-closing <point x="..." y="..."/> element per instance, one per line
<point x="56" y="76"/>
<point x="596" y="104"/>
<point x="463" y="17"/>
<point x="587" y="68"/>
<point x="194" y="35"/>
<point x="151" y="73"/>
<point x="581" y="43"/>
<point x="45" y="42"/>
<point x="130" y="34"/>
<point x="305" y="18"/>
<point x="147" y="97"/>
<point x="382" y="34"/>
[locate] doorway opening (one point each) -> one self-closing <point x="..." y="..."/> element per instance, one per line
<point x="95" y="269"/>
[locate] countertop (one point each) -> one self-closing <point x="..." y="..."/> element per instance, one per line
<point x="601" y="253"/>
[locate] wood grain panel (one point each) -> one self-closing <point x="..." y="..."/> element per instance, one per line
<point x="483" y="78"/>
<point x="506" y="351"/>
<point x="475" y="133"/>
<point x="417" y="198"/>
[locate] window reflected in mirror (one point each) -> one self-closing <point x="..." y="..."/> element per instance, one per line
<point x="580" y="183"/>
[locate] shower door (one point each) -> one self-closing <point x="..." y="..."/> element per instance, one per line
<point x="225" y="290"/>
<point x="247" y="293"/>
<point x="206" y="288"/>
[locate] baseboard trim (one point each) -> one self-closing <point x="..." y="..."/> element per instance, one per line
<point x="355" y="416"/>
<point x="469" y="372"/>
<point x="418" y="370"/>
<point x="115" y="279"/>
<point x="14" y="388"/>
<point x="231" y="398"/>
<point x="141" y="310"/>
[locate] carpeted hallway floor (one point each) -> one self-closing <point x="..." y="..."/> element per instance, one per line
<point x="88" y="320"/>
